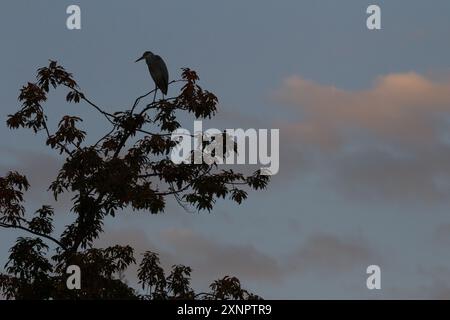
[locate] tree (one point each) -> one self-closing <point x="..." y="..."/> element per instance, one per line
<point x="117" y="172"/>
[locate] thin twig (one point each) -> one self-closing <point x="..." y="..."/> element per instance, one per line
<point x="136" y="102"/>
<point x="83" y="97"/>
<point x="105" y="136"/>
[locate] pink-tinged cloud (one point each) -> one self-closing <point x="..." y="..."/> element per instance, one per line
<point x="403" y="108"/>
<point x="390" y="140"/>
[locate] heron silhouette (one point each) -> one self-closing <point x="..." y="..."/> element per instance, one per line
<point x="158" y="71"/>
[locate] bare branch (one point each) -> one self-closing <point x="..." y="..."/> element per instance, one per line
<point x="83" y="97"/>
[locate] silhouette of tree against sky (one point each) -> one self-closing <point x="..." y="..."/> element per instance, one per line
<point x="127" y="168"/>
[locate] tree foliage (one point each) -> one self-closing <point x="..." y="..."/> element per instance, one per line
<point x="127" y="168"/>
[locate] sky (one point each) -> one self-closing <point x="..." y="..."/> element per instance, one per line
<point x="364" y="120"/>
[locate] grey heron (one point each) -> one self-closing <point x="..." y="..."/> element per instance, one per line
<point x="158" y="71"/>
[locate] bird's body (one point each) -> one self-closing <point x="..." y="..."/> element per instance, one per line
<point x="158" y="70"/>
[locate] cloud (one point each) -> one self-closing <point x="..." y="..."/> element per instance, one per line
<point x="431" y="283"/>
<point x="399" y="107"/>
<point x="41" y="169"/>
<point x="213" y="259"/>
<point x="442" y="234"/>
<point x="209" y="258"/>
<point x="390" y="140"/>
<point x="310" y="260"/>
<point x="328" y="254"/>
<point x="138" y="240"/>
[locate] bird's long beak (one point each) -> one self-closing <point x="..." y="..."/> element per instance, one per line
<point x="140" y="59"/>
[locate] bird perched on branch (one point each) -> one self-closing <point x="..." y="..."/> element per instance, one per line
<point x="158" y="71"/>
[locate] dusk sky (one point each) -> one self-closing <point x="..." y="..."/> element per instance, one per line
<point x="364" y="119"/>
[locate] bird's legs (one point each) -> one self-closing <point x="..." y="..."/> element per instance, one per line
<point x="154" y="96"/>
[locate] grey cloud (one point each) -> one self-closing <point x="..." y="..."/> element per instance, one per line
<point x="215" y="259"/>
<point x="330" y="254"/>
<point x="317" y="256"/>
<point x="40" y="169"/>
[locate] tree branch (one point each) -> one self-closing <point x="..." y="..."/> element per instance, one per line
<point x="83" y="97"/>
<point x="136" y="102"/>
<point x="7" y="226"/>
<point x="44" y="124"/>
